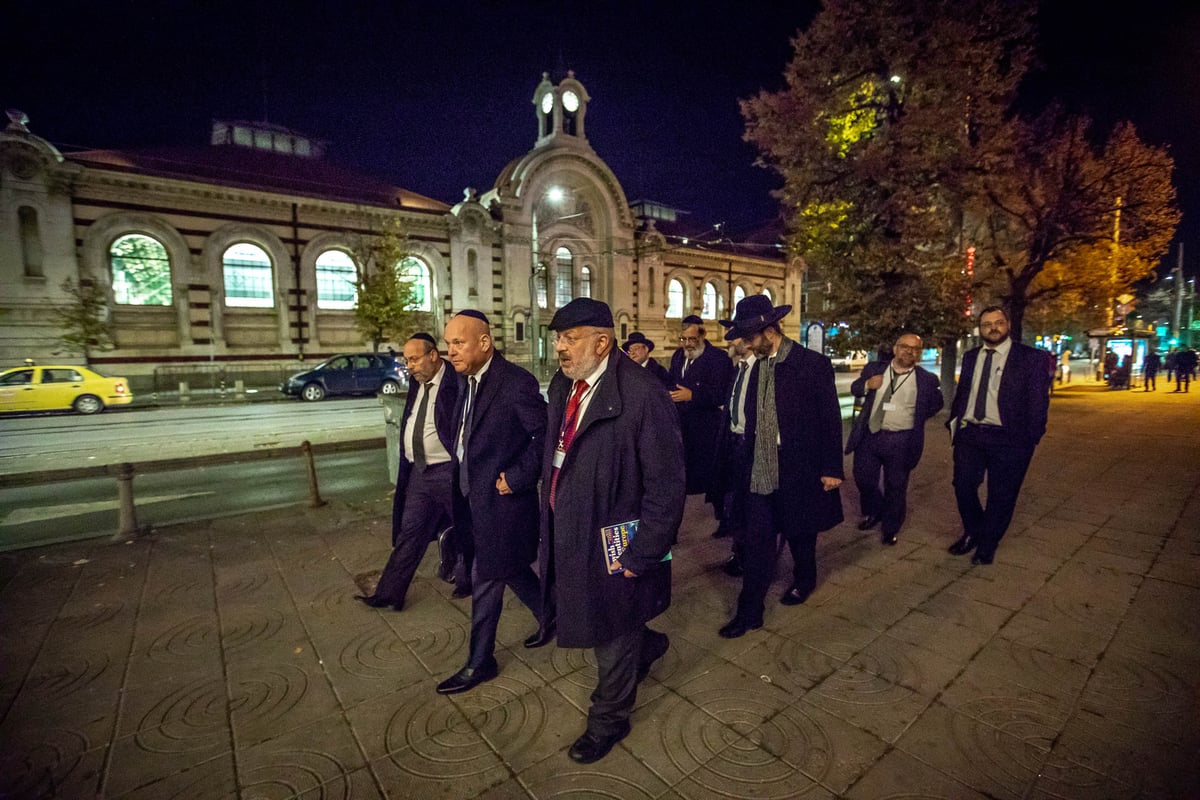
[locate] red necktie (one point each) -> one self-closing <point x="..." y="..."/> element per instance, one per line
<point x="568" y="432"/>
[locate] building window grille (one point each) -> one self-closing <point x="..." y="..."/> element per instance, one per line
<point x="710" y="310"/>
<point x="336" y="280"/>
<point x="564" y="268"/>
<point x="141" y="271"/>
<point x="31" y="241"/>
<point x="248" y="279"/>
<point x="585" y="282"/>
<point x="739" y="294"/>
<point x="416" y="272"/>
<point x="675" y="298"/>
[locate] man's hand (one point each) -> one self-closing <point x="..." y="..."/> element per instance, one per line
<point x="681" y="394"/>
<point x="502" y="485"/>
<point x="875" y="381"/>
<point x="628" y="572"/>
<point x="829" y="484"/>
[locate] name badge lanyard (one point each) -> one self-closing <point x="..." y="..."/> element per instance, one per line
<point x="560" y="452"/>
<point x="888" y="405"/>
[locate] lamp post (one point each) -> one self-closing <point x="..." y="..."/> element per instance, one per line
<point x="535" y="334"/>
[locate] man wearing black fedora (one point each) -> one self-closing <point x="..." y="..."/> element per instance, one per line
<point x="793" y="433"/>
<point x="639" y="348"/>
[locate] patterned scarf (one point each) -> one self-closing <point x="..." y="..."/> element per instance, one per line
<point x="764" y="473"/>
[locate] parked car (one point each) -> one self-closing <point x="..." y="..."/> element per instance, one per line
<point x="854" y="360"/>
<point x="351" y="373"/>
<point x="60" y="388"/>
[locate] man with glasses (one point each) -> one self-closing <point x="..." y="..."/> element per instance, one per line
<point x="996" y="420"/>
<point x="700" y="375"/>
<point x="889" y="434"/>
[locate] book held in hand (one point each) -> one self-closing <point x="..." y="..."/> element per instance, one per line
<point x="614" y="539"/>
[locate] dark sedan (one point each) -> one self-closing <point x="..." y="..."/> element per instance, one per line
<point x="353" y="373"/>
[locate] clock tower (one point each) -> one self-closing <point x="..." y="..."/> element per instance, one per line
<point x="560" y="109"/>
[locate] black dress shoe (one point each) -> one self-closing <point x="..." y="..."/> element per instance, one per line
<point x="375" y="601"/>
<point x="592" y="747"/>
<point x="736" y="628"/>
<point x="963" y="546"/>
<point x="467" y="678"/>
<point x="447" y="555"/>
<point x="542" y="636"/>
<point x="657" y="649"/>
<point x="983" y="557"/>
<point x="733" y="567"/>
<point x="796" y="595"/>
<point x="888" y="538"/>
<point x="868" y="522"/>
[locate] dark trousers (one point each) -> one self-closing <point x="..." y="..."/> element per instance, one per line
<point x="617" y="665"/>
<point x="1151" y="384"/>
<point x="487" y="601"/>
<point x="886" y="452"/>
<point x="767" y="516"/>
<point x="1183" y="380"/>
<point x="426" y="511"/>
<point x="980" y="451"/>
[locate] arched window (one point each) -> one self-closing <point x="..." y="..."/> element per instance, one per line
<point x="739" y="294"/>
<point x="248" y="277"/>
<point x="767" y="294"/>
<point x="710" y="310"/>
<point x="416" y="272"/>
<point x="675" y="298"/>
<point x="585" y="282"/>
<point x="141" y="271"/>
<point x="31" y="241"/>
<point x="336" y="278"/>
<point x="472" y="271"/>
<point x="540" y="279"/>
<point x="564" y="274"/>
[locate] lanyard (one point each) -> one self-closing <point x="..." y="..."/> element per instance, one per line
<point x="892" y="385"/>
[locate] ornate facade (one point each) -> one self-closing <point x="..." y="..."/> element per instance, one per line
<point x="246" y="250"/>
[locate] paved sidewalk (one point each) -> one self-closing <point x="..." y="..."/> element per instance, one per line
<point x="228" y="659"/>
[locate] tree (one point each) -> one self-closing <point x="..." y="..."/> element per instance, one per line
<point x="880" y="136"/>
<point x="386" y="299"/>
<point x="1066" y="217"/>
<point x="83" y="320"/>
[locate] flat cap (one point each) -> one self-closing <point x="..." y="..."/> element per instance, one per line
<point x="582" y="311"/>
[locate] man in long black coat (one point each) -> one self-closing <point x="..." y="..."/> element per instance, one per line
<point x="639" y="348"/>
<point x="888" y="436"/>
<point x="794" y="435"/>
<point x="614" y="455"/>
<point x="996" y="420"/>
<point x="700" y="375"/>
<point x="422" y="505"/>
<point x="502" y="423"/>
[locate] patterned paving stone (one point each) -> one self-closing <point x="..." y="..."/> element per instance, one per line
<point x="955" y="607"/>
<point x="619" y="775"/>
<point x="269" y="697"/>
<point x="956" y="643"/>
<point x="528" y="727"/>
<point x="210" y="780"/>
<point x="899" y="776"/>
<point x="916" y="668"/>
<point x="51" y="763"/>
<point x="791" y="666"/>
<point x="872" y="703"/>
<point x="321" y="758"/>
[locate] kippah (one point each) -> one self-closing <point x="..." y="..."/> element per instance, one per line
<point x="473" y="314"/>
<point x="692" y="319"/>
<point x="424" y="337"/>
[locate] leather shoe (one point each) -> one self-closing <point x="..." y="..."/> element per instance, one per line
<point x="447" y="555"/>
<point x="982" y="557"/>
<point x="374" y="601"/>
<point x="888" y="538"/>
<point x="460" y="592"/>
<point x="467" y="678"/>
<point x="654" y="652"/>
<point x="736" y="628"/>
<point x="963" y="546"/>
<point x="868" y="522"/>
<point x="733" y="567"/>
<point x="592" y="747"/>
<point x="796" y="595"/>
<point x="542" y="636"/>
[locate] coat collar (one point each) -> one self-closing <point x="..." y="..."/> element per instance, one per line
<point x="606" y="402"/>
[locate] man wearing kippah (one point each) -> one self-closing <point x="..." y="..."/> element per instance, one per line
<point x="613" y="460"/>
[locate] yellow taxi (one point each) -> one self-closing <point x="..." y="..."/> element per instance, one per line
<point x="59" y="388"/>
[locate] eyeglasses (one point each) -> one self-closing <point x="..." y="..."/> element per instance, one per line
<point x="909" y="347"/>
<point x="689" y="340"/>
<point x="572" y="339"/>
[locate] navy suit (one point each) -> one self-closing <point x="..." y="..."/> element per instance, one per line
<point x="1000" y="452"/>
<point x="421" y="506"/>
<point x="894" y="453"/>
<point x="700" y="417"/>
<point x="507" y="431"/>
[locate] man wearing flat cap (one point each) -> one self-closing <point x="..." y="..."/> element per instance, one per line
<point x="700" y="375"/>
<point x="498" y="449"/>
<point x="613" y="455"/>
<point x="794" y="439"/>
<point x="639" y="348"/>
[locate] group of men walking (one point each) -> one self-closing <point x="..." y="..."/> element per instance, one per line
<point x="623" y="441"/>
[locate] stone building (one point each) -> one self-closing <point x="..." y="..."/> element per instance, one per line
<point x="244" y="251"/>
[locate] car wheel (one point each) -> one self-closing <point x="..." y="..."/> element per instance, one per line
<point x="390" y="387"/>
<point x="313" y="392"/>
<point x="88" y="404"/>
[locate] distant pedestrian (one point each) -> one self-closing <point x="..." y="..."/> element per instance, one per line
<point x="1150" y="370"/>
<point x="1185" y="367"/>
<point x="639" y="348"/>
<point x="1169" y="363"/>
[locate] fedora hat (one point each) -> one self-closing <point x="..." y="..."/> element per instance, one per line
<point x="637" y="337"/>
<point x="753" y="314"/>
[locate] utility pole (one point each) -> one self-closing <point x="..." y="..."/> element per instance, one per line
<point x="1177" y="317"/>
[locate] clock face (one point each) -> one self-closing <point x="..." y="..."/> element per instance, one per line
<point x="547" y="102"/>
<point x="570" y="101"/>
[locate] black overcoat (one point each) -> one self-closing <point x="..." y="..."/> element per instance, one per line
<point x="660" y="372"/>
<point x="625" y="463"/>
<point x="444" y="419"/>
<point x="507" y="435"/>
<point x="810" y="436"/>
<point x="700" y="417"/>
<point x="929" y="402"/>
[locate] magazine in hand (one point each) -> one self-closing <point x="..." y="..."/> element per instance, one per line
<point x="614" y="539"/>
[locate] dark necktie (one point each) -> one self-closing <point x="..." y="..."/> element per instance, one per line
<point x="464" y="482"/>
<point x="418" y="443"/>
<point x="736" y="400"/>
<point x="570" y="423"/>
<point x="687" y="362"/>
<point x="882" y="397"/>
<point x="982" y="393"/>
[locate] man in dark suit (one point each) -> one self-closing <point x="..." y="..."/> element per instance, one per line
<point x="614" y="455"/>
<point x="421" y="506"/>
<point x="639" y="348"/>
<point x="996" y="420"/>
<point x="794" y="436"/>
<point x="700" y="376"/>
<point x="501" y="425"/>
<point x="888" y="435"/>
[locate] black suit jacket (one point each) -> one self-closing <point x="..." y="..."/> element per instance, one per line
<point x="507" y="434"/>
<point x="444" y="420"/>
<point x="929" y="402"/>
<point x="1024" y="397"/>
<point x="659" y="372"/>
<point x="700" y="417"/>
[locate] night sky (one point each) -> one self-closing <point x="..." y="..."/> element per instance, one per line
<point x="436" y="97"/>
